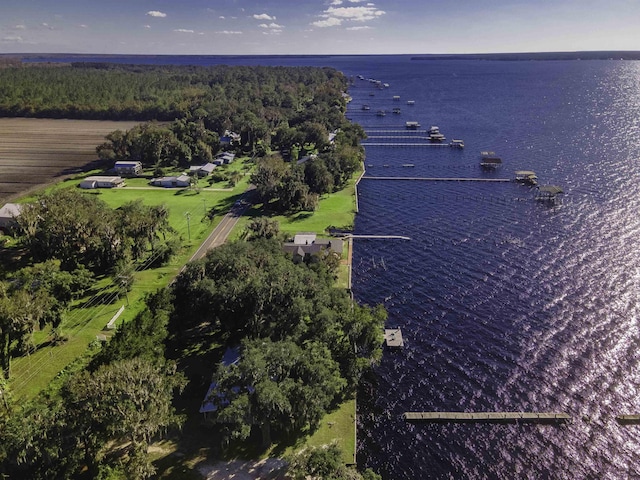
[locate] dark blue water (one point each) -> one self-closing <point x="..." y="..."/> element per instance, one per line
<point x="505" y="303"/>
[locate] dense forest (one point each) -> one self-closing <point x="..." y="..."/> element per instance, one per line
<point x="226" y="97"/>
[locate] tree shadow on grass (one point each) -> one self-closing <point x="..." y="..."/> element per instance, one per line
<point x="298" y="217"/>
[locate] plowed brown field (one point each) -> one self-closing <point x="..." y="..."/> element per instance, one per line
<point x="35" y="152"/>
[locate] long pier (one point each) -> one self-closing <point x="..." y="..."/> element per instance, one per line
<point x="404" y="144"/>
<point x="392" y="237"/>
<point x="487" y="417"/>
<point x="441" y="179"/>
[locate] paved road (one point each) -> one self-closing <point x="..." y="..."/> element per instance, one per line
<point x="219" y="234"/>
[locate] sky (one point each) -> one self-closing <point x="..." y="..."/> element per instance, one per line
<point x="263" y="27"/>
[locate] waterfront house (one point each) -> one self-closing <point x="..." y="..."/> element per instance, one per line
<point x="305" y="245"/>
<point x="128" y="168"/>
<point x="101" y="181"/>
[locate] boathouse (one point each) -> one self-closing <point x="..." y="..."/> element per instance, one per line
<point x="526" y="177"/>
<point x="548" y="193"/>
<point x="489" y="160"/>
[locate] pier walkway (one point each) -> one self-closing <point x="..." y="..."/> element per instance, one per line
<point x="392" y="237"/>
<point x="441" y="179"/>
<point x="486" y="417"/>
<point x="404" y="144"/>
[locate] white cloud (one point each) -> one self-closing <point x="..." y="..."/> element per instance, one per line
<point x="156" y="13"/>
<point x="183" y="30"/>
<point x="12" y="39"/>
<point x="363" y="27"/>
<point x="20" y="27"/>
<point x="147" y="26"/>
<point x="221" y="17"/>
<point x="229" y="32"/>
<point x="263" y="16"/>
<point x="356" y="14"/>
<point x="271" y="25"/>
<point x="334" y="15"/>
<point x="329" y="22"/>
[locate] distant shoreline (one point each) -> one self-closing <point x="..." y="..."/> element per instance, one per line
<point x="504" y="56"/>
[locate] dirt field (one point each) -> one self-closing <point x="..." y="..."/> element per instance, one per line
<point x="35" y="152"/>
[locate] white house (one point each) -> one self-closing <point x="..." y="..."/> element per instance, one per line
<point x="99" y="181"/>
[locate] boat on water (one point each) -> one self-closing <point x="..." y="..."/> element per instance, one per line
<point x="408" y="165"/>
<point x="412" y="125"/>
<point x="366" y="107"/>
<point x="396" y="110"/>
<point x="527" y="177"/>
<point x="396" y="98"/>
<point x="381" y="113"/>
<point x="411" y="102"/>
<point x="456" y="143"/>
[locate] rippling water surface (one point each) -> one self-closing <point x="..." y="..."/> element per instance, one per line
<point x="505" y="304"/>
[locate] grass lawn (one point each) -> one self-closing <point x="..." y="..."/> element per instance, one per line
<point x="88" y="317"/>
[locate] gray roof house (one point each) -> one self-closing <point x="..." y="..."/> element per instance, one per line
<point x="126" y="168"/>
<point x="202" y="170"/>
<point x="306" y="244"/>
<point x="172" y="182"/>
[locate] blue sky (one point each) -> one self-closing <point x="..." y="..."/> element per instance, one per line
<point x="218" y="27"/>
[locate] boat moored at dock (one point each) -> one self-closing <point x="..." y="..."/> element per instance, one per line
<point x="412" y="125"/>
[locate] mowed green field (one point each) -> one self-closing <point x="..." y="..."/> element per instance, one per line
<point x="89" y="316"/>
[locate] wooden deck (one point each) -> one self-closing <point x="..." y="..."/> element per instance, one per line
<point x="393" y="338"/>
<point x="633" y="419"/>
<point x="487" y="417"/>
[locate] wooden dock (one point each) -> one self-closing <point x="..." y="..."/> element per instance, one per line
<point x="441" y="179"/>
<point x="633" y="419"/>
<point x="487" y="417"/>
<point x="404" y="144"/>
<point x="391" y="237"/>
<point x="393" y="338"/>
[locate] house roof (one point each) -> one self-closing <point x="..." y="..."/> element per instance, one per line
<point x="125" y="163"/>
<point x="104" y="179"/>
<point x="10" y="210"/>
<point x="304" y="238"/>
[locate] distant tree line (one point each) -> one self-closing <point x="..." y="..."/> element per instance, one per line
<point x="248" y="100"/>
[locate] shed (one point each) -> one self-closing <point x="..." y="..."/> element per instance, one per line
<point x="8" y="214"/>
<point x="128" y="168"/>
<point x="99" y="181"/>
